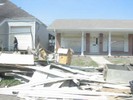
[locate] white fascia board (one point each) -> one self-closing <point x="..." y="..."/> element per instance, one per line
<point x="96" y="29"/>
<point x="20" y="23"/>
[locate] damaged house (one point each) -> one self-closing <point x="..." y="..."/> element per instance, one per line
<point x="94" y="36"/>
<point x="15" y="22"/>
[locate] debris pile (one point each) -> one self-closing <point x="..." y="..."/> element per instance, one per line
<point x="56" y="81"/>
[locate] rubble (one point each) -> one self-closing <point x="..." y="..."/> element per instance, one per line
<point x="56" y="81"/>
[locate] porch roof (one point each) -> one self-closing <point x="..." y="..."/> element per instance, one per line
<point x="88" y="24"/>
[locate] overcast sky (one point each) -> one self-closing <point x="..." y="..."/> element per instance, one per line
<point x="49" y="10"/>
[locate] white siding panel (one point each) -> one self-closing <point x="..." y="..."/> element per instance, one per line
<point x="20" y="29"/>
<point x="73" y="43"/>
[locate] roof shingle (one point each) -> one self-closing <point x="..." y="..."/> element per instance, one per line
<point x="10" y="10"/>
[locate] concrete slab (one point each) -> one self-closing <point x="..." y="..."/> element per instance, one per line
<point x="100" y="60"/>
<point x="118" y="74"/>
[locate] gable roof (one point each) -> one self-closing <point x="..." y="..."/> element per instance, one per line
<point x="87" y="24"/>
<point x="11" y="11"/>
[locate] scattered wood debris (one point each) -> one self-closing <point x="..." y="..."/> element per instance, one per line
<point x="56" y="81"/>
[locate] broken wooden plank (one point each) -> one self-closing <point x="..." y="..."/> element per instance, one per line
<point x="84" y="68"/>
<point x="19" y="76"/>
<point x="36" y="95"/>
<point x="115" y="86"/>
<point x="47" y="71"/>
<point x="56" y="95"/>
<point x="74" y="71"/>
<point x="33" y="84"/>
<point x="41" y="91"/>
<point x="57" y="73"/>
<point x="38" y="77"/>
<point x="79" y="92"/>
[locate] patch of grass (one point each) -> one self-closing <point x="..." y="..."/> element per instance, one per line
<point x="120" y="60"/>
<point x="9" y="81"/>
<point x="82" y="61"/>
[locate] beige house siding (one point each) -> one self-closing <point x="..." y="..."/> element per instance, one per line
<point x="119" y="42"/>
<point x="72" y="41"/>
<point x="103" y="36"/>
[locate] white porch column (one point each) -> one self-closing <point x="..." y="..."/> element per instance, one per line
<point x="82" y="44"/>
<point x="109" y="44"/>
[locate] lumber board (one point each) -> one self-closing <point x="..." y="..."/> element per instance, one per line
<point x="38" y="76"/>
<point x="115" y="86"/>
<point x="22" y="77"/>
<point x="66" y="75"/>
<point x="33" y="84"/>
<point x="61" y="96"/>
<point x="84" y="68"/>
<point x="16" y="59"/>
<point x="75" y="71"/>
<point x="48" y="71"/>
<point x="42" y="91"/>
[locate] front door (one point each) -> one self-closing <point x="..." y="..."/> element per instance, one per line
<point x="94" y="43"/>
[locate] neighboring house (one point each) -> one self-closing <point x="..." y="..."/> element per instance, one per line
<point x="15" y="22"/>
<point x="94" y="36"/>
